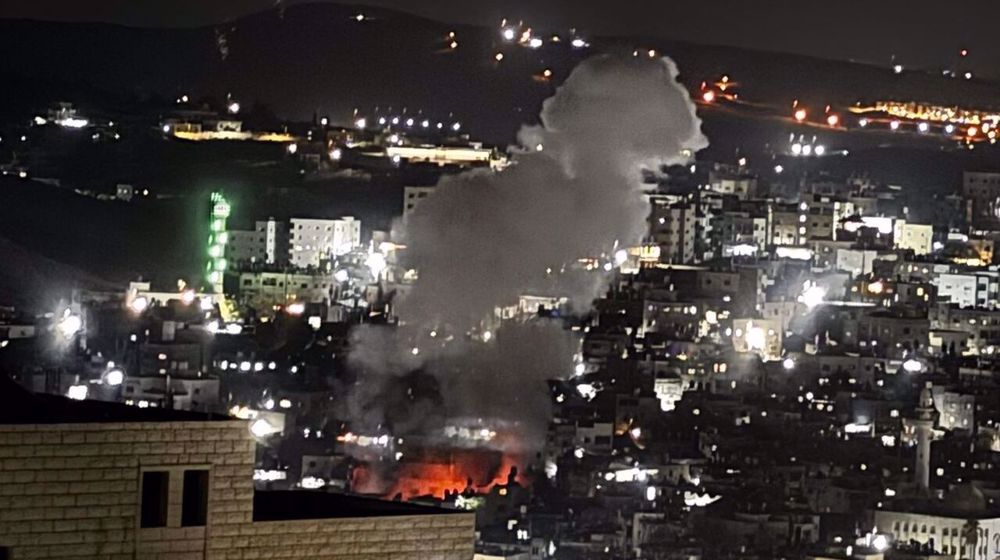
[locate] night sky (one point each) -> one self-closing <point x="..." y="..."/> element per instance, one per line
<point x="926" y="33"/>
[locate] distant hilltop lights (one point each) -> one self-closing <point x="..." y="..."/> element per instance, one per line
<point x="387" y="122"/>
<point x="963" y="124"/>
<point x="523" y="35"/>
<point x="65" y="116"/>
<point x="977" y="124"/>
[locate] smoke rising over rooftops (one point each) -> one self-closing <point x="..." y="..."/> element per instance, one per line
<point x="484" y="239"/>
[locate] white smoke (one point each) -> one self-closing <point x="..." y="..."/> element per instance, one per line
<point x="484" y="239"/>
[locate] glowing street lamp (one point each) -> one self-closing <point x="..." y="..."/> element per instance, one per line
<point x="139" y="304"/>
<point x="800" y="115"/>
<point x="69" y="325"/>
<point x="114" y="377"/>
<point x="813" y="296"/>
<point x="913" y="366"/>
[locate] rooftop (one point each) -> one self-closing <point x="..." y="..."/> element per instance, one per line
<point x="290" y="505"/>
<point x="20" y="406"/>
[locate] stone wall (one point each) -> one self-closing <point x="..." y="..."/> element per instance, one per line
<point x="73" y="491"/>
<point x="425" y="537"/>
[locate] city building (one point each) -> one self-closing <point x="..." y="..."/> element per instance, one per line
<point x="266" y="244"/>
<point x="101" y="480"/>
<point x="982" y="191"/>
<point x="673" y="229"/>
<point x="918" y="238"/>
<point x="412" y="196"/>
<point x="264" y="290"/>
<point x="976" y="288"/>
<point x="315" y="242"/>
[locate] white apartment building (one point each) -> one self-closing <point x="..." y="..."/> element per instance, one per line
<point x="673" y="230"/>
<point x="314" y="241"/>
<point x="972" y="289"/>
<point x="916" y="237"/>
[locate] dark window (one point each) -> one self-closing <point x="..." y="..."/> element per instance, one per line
<point x="154" y="499"/>
<point x="195" y="505"/>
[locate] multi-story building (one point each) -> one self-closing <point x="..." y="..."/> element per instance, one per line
<point x="266" y="289"/>
<point x="761" y="336"/>
<point x="267" y="244"/>
<point x="788" y="224"/>
<point x="957" y="526"/>
<point x="315" y="242"/>
<point x="738" y="231"/>
<point x="741" y="186"/>
<point x="979" y="288"/>
<point x="918" y="238"/>
<point x="891" y="334"/>
<point x="412" y="196"/>
<point x="825" y="214"/>
<point x="88" y="479"/>
<point x="245" y="247"/>
<point x="817" y="217"/>
<point x="981" y="327"/>
<point x="982" y="193"/>
<point x="672" y="228"/>
<point x="275" y="236"/>
<point x="956" y="411"/>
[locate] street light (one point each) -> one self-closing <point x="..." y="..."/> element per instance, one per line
<point x="77" y="392"/>
<point x="69" y="325"/>
<point x="114" y="377"/>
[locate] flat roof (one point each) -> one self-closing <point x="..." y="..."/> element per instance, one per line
<point x="288" y="505"/>
<point x="20" y="406"/>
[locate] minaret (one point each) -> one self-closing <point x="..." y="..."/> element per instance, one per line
<point x="924" y="422"/>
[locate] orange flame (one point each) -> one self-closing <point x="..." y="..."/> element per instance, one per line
<point x="436" y="474"/>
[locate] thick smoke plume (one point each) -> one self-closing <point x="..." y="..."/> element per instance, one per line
<point x="484" y="239"/>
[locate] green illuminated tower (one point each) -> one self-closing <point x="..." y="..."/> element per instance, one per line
<point x="217" y="239"/>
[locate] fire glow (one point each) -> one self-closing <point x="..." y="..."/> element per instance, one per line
<point x="435" y="472"/>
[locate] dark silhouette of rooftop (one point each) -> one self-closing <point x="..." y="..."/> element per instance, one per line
<point x="288" y="505"/>
<point x="20" y="406"/>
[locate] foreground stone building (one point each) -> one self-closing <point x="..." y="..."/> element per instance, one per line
<point x="87" y="479"/>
